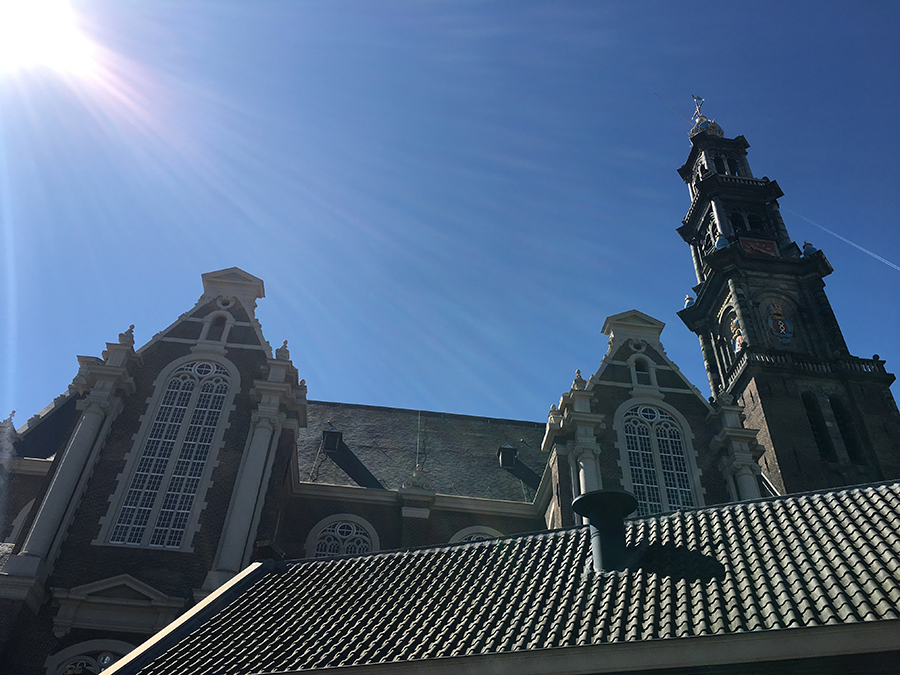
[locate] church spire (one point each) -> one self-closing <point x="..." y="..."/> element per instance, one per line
<point x="767" y="331"/>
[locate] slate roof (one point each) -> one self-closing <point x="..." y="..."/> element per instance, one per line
<point x="817" y="559"/>
<point x="459" y="451"/>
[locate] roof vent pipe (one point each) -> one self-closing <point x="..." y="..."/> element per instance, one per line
<point x="606" y="511"/>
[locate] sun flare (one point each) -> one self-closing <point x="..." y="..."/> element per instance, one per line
<point x="43" y="33"/>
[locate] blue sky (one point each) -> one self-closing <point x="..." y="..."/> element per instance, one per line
<point x="444" y="199"/>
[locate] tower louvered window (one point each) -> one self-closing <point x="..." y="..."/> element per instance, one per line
<point x="160" y="498"/>
<point x="656" y="458"/>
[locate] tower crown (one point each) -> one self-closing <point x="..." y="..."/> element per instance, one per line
<point x="701" y="123"/>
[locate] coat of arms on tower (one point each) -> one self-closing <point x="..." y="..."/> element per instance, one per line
<point x="779" y="325"/>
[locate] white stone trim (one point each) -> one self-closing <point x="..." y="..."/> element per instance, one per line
<point x="18" y="522"/>
<point x="309" y="547"/>
<point x="84" y="607"/>
<point x="687" y="437"/>
<point x="199" y="609"/>
<point x="210" y="319"/>
<point x="132" y="458"/>
<point x="30" y="466"/>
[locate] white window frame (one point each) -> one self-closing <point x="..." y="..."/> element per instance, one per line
<point x="690" y="456"/>
<point x="108" y="522"/>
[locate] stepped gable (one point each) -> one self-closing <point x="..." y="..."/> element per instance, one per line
<point x="763" y="570"/>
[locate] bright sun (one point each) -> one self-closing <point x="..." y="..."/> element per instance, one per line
<point x="36" y="33"/>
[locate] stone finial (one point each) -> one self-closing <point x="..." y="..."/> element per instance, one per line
<point x="282" y="353"/>
<point x="127" y="338"/>
<point x="808" y="249"/>
<point x="579" y="382"/>
<point x="7" y="436"/>
<point x="554" y="417"/>
<point x="688" y="300"/>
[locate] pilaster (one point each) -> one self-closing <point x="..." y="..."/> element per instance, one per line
<point x="281" y="403"/>
<point x="101" y="382"/>
<point x="737" y="449"/>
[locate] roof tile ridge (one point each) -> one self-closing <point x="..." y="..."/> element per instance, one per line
<point x="862" y="487"/>
<point x="425" y="548"/>
<point x="432" y="413"/>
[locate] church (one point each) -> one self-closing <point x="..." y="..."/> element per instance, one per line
<point x="186" y="507"/>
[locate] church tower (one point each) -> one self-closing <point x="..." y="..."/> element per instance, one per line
<point x="769" y="337"/>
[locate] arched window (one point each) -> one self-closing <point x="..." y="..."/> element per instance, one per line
<point x="216" y="329"/>
<point x="475" y="533"/>
<point x="720" y="164"/>
<point x="160" y="498"/>
<point x="756" y="222"/>
<point x="847" y="429"/>
<point x="737" y="221"/>
<point x="341" y="534"/>
<point x="733" y="167"/>
<point x="818" y="427"/>
<point x="641" y="371"/>
<point x="656" y="459"/>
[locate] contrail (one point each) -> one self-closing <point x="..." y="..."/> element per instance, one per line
<point x="864" y="250"/>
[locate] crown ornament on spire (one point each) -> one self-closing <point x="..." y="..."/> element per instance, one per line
<point x="701" y="123"/>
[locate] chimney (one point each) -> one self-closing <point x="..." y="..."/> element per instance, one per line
<point x="605" y="511"/>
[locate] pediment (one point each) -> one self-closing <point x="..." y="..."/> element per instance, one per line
<point x="632" y="319"/>
<point x="123" y="586"/>
<point x="233" y="281"/>
<point x="119" y="603"/>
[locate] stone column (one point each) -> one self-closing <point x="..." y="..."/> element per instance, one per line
<point x="725" y="228"/>
<point x="737" y="447"/>
<point x="588" y="474"/>
<point x="279" y="395"/>
<point x="62" y="487"/>
<point x="101" y="380"/>
<point x="745" y="478"/>
<point x="248" y="486"/>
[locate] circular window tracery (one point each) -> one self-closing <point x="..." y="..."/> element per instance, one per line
<point x="342" y="537"/>
<point x="656" y="459"/>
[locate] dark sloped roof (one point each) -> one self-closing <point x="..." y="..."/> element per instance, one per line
<point x="459" y="451"/>
<point x="818" y="559"/>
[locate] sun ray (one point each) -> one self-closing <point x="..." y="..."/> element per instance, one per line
<point x="43" y="33"/>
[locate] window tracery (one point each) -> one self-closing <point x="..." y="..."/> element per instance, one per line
<point x="342" y="537"/>
<point x="160" y="498"/>
<point x="656" y="458"/>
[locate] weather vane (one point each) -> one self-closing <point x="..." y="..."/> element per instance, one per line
<point x="698" y="101"/>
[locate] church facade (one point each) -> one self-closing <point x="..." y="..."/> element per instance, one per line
<point x="166" y="470"/>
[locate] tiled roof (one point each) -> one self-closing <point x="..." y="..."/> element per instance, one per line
<point x="459" y="451"/>
<point x="811" y="560"/>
